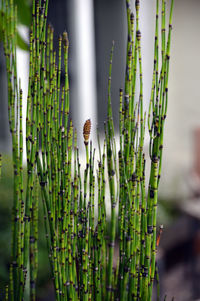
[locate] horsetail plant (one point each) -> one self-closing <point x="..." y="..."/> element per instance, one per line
<point x="81" y="255"/>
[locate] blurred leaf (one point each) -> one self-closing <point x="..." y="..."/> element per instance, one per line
<point x="23" y="12"/>
<point x="21" y="43"/>
<point x="24" y="18"/>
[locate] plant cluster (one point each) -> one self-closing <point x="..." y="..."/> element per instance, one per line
<point x="81" y="256"/>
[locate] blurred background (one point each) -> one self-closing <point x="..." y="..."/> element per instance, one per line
<point x="92" y="25"/>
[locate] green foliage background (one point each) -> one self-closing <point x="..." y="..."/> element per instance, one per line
<point x="6" y="202"/>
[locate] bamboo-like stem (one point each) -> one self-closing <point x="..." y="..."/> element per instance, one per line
<point x="109" y="132"/>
